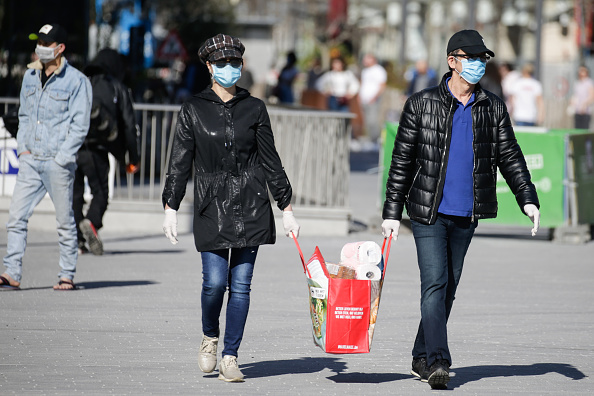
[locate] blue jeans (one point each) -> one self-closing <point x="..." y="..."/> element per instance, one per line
<point x="218" y="274"/>
<point x="35" y="178"/>
<point x="441" y="248"/>
<point x="338" y="104"/>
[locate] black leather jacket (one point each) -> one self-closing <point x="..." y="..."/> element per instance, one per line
<point x="421" y="151"/>
<point x="231" y="147"/>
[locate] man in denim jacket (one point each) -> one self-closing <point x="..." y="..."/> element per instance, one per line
<point x="54" y="114"/>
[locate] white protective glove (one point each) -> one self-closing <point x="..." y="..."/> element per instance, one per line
<point x="532" y="211"/>
<point x="290" y="224"/>
<point x="170" y="225"/>
<point x="390" y="227"/>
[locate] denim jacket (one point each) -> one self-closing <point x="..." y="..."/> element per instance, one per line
<point x="54" y="119"/>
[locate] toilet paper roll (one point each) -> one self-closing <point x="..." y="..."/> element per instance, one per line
<point x="368" y="272"/>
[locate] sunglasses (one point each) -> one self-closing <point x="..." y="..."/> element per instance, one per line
<point x="472" y="57"/>
<point x="233" y="62"/>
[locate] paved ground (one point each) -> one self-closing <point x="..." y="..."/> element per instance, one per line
<point x="522" y="323"/>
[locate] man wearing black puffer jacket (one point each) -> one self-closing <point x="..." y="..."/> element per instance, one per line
<point x="450" y="141"/>
<point x="113" y="130"/>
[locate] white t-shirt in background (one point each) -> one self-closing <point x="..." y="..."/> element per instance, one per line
<point x="372" y="79"/>
<point x="525" y="91"/>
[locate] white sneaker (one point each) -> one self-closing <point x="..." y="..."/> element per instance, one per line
<point x="229" y="370"/>
<point x="207" y="358"/>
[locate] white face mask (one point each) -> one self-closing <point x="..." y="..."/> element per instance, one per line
<point x="45" y="54"/>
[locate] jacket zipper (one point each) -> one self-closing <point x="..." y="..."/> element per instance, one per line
<point x="442" y="170"/>
<point x="473" y="162"/>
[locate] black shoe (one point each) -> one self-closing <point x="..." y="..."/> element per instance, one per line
<point x="439" y="374"/>
<point x="90" y="233"/>
<point x="419" y="368"/>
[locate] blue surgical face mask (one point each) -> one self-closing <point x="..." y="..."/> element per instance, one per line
<point x="226" y="76"/>
<point x="472" y="69"/>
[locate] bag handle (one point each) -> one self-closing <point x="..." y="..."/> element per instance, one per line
<point x="305" y="270"/>
<point x="389" y="240"/>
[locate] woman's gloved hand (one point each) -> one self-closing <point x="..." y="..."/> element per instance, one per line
<point x="170" y="225"/>
<point x="390" y="227"/>
<point x="532" y="211"/>
<point x="290" y="224"/>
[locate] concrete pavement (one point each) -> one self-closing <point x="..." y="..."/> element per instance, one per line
<point x="523" y="320"/>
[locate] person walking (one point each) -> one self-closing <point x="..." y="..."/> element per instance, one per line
<point x="450" y="141"/>
<point x="373" y="84"/>
<point x="224" y="136"/>
<point x="113" y="129"/>
<point x="421" y="77"/>
<point x="286" y="78"/>
<point x="526" y="99"/>
<point x="582" y="99"/>
<point x="339" y="85"/>
<point x="54" y="113"/>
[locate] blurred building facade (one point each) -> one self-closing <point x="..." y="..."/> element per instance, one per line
<point x="554" y="35"/>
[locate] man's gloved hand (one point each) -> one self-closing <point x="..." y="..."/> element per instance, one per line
<point x="390" y="227"/>
<point x="170" y="225"/>
<point x="532" y="211"/>
<point x="290" y="224"/>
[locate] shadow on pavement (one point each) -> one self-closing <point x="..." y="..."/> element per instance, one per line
<point x="273" y="368"/>
<point x="101" y="284"/>
<point x="464" y="375"/>
<point x="145" y="251"/>
<point x="368" y="378"/>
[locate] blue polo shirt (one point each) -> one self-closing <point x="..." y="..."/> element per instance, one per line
<point x="458" y="194"/>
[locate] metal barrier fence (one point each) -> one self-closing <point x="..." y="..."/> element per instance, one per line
<point x="313" y="146"/>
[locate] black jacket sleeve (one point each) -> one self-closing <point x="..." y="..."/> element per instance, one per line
<point x="276" y="178"/>
<point x="402" y="167"/>
<point x="180" y="161"/>
<point x="512" y="164"/>
<point x="129" y="126"/>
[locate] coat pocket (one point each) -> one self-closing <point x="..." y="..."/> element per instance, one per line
<point x="206" y="188"/>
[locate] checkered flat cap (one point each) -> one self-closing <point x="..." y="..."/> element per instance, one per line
<point x="221" y="46"/>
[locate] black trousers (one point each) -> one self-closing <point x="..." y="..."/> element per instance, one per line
<point x="94" y="164"/>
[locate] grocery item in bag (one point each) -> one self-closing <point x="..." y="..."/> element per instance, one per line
<point x="360" y="253"/>
<point x="341" y="271"/>
<point x="368" y="272"/>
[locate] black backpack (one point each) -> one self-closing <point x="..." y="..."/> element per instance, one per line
<point x="104" y="111"/>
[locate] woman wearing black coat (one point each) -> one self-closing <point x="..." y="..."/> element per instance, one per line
<point x="225" y="134"/>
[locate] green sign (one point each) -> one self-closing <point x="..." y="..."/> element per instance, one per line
<point x="545" y="157"/>
<point x="583" y="168"/>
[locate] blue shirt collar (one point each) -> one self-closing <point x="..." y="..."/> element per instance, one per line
<point x="472" y="97"/>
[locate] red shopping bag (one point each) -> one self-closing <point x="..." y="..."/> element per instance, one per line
<point x="343" y="311"/>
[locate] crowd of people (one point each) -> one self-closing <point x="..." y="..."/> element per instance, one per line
<point x="360" y="89"/>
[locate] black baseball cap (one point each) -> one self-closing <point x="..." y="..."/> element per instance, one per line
<point x="52" y="33"/>
<point x="470" y="41"/>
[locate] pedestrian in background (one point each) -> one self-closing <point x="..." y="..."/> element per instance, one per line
<point x="509" y="76"/>
<point x="339" y="85"/>
<point x="113" y="129"/>
<point x="286" y="78"/>
<point x="224" y="137"/>
<point x="582" y="99"/>
<point x="54" y="113"/>
<point x="373" y="85"/>
<point x="450" y="141"/>
<point x="526" y="99"/>
<point x="422" y="77"/>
